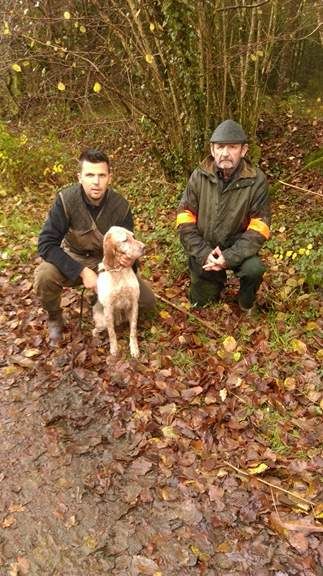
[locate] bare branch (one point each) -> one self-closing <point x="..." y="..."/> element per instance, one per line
<point x="311" y="33"/>
<point x="242" y="6"/>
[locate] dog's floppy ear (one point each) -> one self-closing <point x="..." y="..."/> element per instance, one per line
<point x="109" y="251"/>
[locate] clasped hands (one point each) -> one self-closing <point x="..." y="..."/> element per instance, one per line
<point x="215" y="261"/>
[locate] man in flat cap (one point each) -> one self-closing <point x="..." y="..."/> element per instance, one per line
<point x="224" y="218"/>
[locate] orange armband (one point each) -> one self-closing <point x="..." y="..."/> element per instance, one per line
<point x="186" y="217"/>
<point x="259" y="226"/>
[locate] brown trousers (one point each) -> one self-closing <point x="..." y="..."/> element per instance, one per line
<point x="49" y="283"/>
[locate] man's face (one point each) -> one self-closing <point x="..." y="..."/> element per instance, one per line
<point x="95" y="179"/>
<point x="228" y="156"/>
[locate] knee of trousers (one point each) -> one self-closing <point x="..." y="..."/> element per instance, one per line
<point x="252" y="268"/>
<point x="203" y="292"/>
<point x="147" y="299"/>
<point x="47" y="276"/>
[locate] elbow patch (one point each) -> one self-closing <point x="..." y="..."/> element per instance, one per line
<point x="260" y="226"/>
<point x="186" y="217"/>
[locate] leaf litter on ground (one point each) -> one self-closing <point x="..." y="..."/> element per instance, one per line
<point x="192" y="460"/>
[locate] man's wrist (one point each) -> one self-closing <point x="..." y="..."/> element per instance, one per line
<point x="84" y="269"/>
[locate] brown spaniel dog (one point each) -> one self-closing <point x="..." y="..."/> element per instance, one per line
<point x="118" y="286"/>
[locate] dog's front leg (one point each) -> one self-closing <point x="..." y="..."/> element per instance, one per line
<point x="100" y="323"/>
<point x="133" y="318"/>
<point x="108" y="311"/>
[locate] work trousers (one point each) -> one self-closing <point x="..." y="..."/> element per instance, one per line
<point x="206" y="287"/>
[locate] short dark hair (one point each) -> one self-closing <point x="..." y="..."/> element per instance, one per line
<point x="94" y="156"/>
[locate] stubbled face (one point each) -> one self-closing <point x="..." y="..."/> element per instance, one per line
<point x="228" y="156"/>
<point x="95" y="179"/>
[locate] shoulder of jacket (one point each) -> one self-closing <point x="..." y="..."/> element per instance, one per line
<point x="261" y="175"/>
<point x="199" y="173"/>
<point x="206" y="167"/>
<point x="116" y="199"/>
<point x="114" y="194"/>
<point x="69" y="190"/>
<point x="249" y="170"/>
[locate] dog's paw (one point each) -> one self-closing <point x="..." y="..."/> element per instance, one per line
<point x="134" y="351"/>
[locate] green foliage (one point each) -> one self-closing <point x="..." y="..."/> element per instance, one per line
<point x="303" y="250"/>
<point x="152" y="204"/>
<point x="30" y="160"/>
<point x="183" y="360"/>
<point x="254" y="152"/>
<point x="17" y="238"/>
<point x="271" y="429"/>
<point x="314" y="161"/>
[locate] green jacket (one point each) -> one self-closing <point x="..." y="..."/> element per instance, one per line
<point x="235" y="217"/>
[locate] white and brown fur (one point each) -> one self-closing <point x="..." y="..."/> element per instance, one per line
<point x="118" y="287"/>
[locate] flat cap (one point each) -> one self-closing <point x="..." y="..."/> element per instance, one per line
<point x="229" y="132"/>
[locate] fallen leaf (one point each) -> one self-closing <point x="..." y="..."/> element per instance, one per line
<point x="223" y="394"/>
<point x="290" y="383"/>
<point x="143" y="566"/>
<point x="23" y="565"/>
<point x="30" y="352"/>
<point x="294" y="526"/>
<point x="169" y="432"/>
<point x="16" y="508"/>
<point x="13" y="571"/>
<point x="191" y="392"/>
<point x="319" y="354"/>
<point x="229" y="344"/>
<point x="318" y="510"/>
<point x="164" y="314"/>
<point x="70" y="522"/>
<point x="9" y="370"/>
<point x="90" y="542"/>
<point x="298" y="346"/>
<point x="97" y="87"/>
<point x="202" y="556"/>
<point x="298" y="541"/>
<point x="258" y="469"/>
<point x="210" y="399"/>
<point x="22" y="361"/>
<point x="224" y="547"/>
<point x="311" y="326"/>
<point x="8" y="521"/>
<point x="140" y="466"/>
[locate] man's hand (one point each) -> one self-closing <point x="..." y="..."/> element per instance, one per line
<point x="125" y="261"/>
<point x="89" y="278"/>
<point x="215" y="261"/>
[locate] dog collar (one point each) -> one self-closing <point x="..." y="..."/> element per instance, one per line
<point x="101" y="269"/>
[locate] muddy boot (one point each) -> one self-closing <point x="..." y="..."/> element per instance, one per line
<point x="55" y="326"/>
